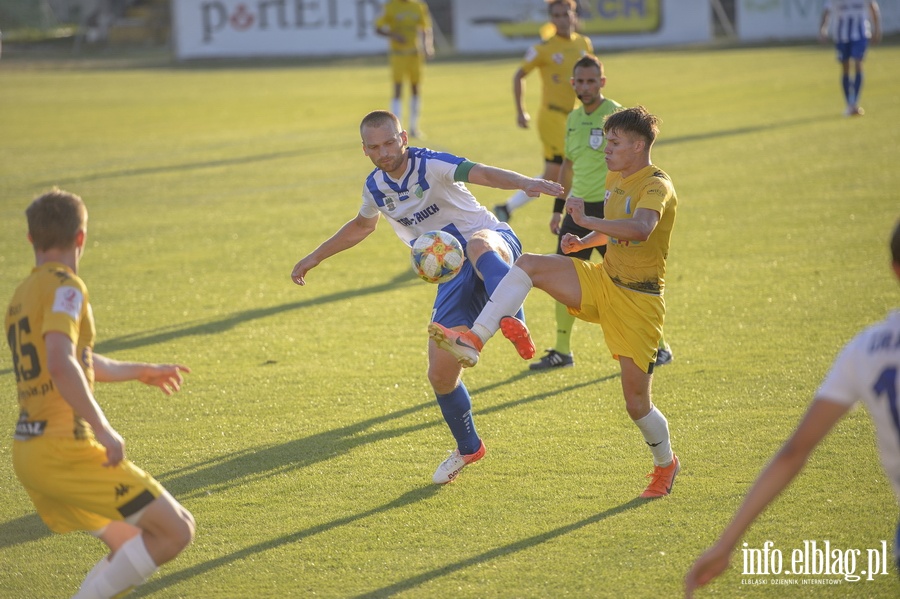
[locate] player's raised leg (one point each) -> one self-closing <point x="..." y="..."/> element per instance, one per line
<point x="554" y="274"/>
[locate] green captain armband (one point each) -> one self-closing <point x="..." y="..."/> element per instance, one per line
<point x="462" y="171"/>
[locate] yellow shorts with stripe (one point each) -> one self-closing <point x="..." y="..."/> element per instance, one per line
<point x="552" y="131"/>
<point x="632" y="321"/>
<point x="72" y="490"/>
<point x="406" y="67"/>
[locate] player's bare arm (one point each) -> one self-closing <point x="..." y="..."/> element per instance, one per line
<point x="499" y="178"/>
<point x="428" y="43"/>
<point x="165" y="376"/>
<point x="818" y="421"/>
<point x="573" y="243"/>
<point x="69" y="378"/>
<point x="346" y="237"/>
<point x="875" y="11"/>
<point x="637" y="228"/>
<point x="522" y="117"/>
<point x="565" y="179"/>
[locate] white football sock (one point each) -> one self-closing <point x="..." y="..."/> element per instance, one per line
<point x="97" y="569"/>
<point x="414" y="105"/>
<point x="517" y="200"/>
<point x="655" y="429"/>
<point x="506" y="300"/>
<point x="397" y="109"/>
<point x="129" y="567"/>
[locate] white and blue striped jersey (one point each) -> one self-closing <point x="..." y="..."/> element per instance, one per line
<point x="868" y="370"/>
<point x="427" y="198"/>
<point x="849" y="20"/>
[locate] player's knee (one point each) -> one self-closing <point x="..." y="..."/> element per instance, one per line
<point x="442" y="381"/>
<point x="530" y="263"/>
<point x="637" y="403"/>
<point x="186" y="529"/>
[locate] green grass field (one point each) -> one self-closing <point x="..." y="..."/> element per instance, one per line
<point x="305" y="439"/>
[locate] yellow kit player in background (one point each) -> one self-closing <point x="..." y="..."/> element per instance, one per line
<point x="65" y="453"/>
<point x="554" y="58"/>
<point x="408" y="25"/>
<point x="623" y="294"/>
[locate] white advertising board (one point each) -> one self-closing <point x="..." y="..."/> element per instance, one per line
<point x="514" y="25"/>
<point x="760" y="20"/>
<point x="248" y="28"/>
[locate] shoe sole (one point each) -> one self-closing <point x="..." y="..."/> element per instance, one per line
<point x="516" y="331"/>
<point x="437" y="335"/>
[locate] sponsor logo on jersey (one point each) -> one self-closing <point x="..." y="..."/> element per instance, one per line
<point x="68" y="300"/>
<point x="28" y="429"/>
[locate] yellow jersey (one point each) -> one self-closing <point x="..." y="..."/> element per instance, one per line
<point x="52" y="298"/>
<point x="408" y="19"/>
<point x="640" y="265"/>
<point x="555" y="58"/>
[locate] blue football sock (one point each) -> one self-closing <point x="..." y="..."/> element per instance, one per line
<point x="493" y="268"/>
<point x="456" y="407"/>
<point x="857" y="86"/>
<point x="845" y="84"/>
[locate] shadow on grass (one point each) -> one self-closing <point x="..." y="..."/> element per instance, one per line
<point x="743" y="130"/>
<point x="218" y="475"/>
<point x="214" y="327"/>
<point x="504" y="550"/>
<point x="23" y="529"/>
<point x="407" y="498"/>
<point x="191" y="166"/>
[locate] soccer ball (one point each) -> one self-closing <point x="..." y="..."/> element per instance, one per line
<point x="437" y="256"/>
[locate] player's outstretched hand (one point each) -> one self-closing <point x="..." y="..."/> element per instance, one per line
<point x="165" y="376"/>
<point x="542" y="186"/>
<point x="112" y="442"/>
<point x="298" y="275"/>
<point x="707" y="567"/>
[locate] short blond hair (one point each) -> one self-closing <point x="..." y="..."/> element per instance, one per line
<point x="54" y="219"/>
<point x="380" y="118"/>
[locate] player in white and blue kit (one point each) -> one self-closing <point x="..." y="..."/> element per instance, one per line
<point x="419" y="190"/>
<point x="851" y="30"/>
<point x="867" y="370"/>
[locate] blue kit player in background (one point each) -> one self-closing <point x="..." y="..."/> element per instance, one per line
<point x="851" y="31"/>
<point x="867" y="370"/>
<point x="418" y="190"/>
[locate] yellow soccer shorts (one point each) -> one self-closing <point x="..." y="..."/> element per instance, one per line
<point x="632" y="322"/>
<point x="552" y="131"/>
<point x="406" y="67"/>
<point x="72" y="490"/>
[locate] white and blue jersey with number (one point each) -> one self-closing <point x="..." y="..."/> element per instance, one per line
<point x="868" y="370"/>
<point x="427" y="198"/>
<point x="849" y="20"/>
